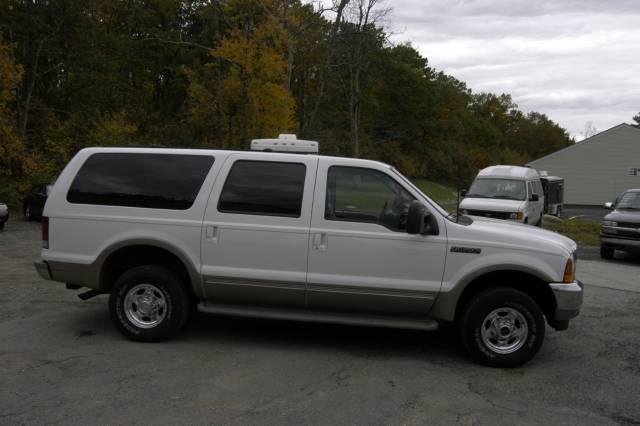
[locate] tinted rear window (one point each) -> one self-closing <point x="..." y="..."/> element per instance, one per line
<point x="264" y="187"/>
<point x="157" y="181"/>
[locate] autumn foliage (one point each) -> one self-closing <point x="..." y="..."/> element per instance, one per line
<point x="192" y="73"/>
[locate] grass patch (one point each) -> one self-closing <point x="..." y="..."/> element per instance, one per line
<point x="435" y="190"/>
<point x="584" y="232"/>
<point x="442" y="194"/>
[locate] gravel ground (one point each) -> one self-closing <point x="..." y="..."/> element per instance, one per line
<point x="61" y="361"/>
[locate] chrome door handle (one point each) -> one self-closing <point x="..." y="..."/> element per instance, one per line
<point x="320" y="241"/>
<point x="212" y="233"/>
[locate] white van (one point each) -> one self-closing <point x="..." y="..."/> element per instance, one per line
<point x="506" y="192"/>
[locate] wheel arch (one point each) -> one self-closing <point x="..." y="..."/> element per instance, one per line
<point x="125" y="255"/>
<point x="449" y="305"/>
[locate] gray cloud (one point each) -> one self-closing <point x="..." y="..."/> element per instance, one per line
<point x="574" y="60"/>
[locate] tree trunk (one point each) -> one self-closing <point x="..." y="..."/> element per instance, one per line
<point x="306" y="127"/>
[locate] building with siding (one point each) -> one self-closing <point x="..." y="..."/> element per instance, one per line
<point x="597" y="169"/>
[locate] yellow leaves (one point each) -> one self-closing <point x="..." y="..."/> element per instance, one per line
<point x="252" y="93"/>
<point x="114" y="129"/>
<point x="275" y="107"/>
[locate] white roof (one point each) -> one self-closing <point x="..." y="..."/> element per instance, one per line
<point x="222" y="154"/>
<point x="508" y="172"/>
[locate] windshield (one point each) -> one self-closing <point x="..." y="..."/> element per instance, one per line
<point x="629" y="201"/>
<point x="502" y="189"/>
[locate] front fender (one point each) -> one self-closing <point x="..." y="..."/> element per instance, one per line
<point x="462" y="269"/>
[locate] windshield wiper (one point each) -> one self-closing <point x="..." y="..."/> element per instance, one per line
<point x="505" y="197"/>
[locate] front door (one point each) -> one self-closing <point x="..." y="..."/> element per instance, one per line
<point x="256" y="230"/>
<point x="360" y="255"/>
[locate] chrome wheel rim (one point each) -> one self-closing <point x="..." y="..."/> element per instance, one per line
<point x="504" y="330"/>
<point x="145" y="305"/>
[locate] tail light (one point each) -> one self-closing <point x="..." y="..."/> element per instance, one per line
<point x="45" y="232"/>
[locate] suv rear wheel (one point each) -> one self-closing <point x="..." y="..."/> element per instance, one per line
<point x="502" y="327"/>
<point x="149" y="303"/>
<point x="606" y="252"/>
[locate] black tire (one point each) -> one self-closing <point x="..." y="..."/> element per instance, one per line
<point x="1" y="226"/>
<point x="163" y="286"/>
<point x="492" y="303"/>
<point x="606" y="252"/>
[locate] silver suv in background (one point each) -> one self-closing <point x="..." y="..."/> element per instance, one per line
<point x="621" y="227"/>
<point x="299" y="237"/>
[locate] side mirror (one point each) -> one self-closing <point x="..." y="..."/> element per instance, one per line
<point x="420" y="221"/>
<point x="608" y="205"/>
<point x="463" y="193"/>
<point x="534" y="197"/>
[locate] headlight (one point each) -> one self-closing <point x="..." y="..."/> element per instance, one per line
<point x="569" y="271"/>
<point x="516" y="215"/>
<point x="609" y="223"/>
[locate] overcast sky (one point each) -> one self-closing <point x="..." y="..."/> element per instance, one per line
<point x="577" y="61"/>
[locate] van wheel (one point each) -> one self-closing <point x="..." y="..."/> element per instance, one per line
<point x="606" y="252"/>
<point x="502" y="327"/>
<point x="149" y="303"/>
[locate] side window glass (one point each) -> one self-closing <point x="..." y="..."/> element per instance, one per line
<point x="263" y="188"/>
<point x="157" y="181"/>
<point x="365" y="195"/>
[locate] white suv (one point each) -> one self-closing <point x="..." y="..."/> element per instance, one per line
<point x="301" y="237"/>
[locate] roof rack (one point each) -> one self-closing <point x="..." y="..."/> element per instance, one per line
<point x="285" y="143"/>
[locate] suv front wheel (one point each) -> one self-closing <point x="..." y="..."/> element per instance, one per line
<point x="149" y="303"/>
<point x="606" y="252"/>
<point x="502" y="327"/>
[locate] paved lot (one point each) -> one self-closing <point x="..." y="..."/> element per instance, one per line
<point x="61" y="361"/>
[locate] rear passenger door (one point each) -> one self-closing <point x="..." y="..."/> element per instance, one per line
<point x="256" y="230"/>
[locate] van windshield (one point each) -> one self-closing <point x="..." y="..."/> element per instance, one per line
<point x="502" y="189"/>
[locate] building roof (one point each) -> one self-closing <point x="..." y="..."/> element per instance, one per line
<point x="588" y="140"/>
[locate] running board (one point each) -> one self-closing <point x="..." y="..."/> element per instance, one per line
<point x="319" y="316"/>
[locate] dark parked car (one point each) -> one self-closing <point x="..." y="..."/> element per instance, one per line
<point x="4" y="215"/>
<point x="621" y="227"/>
<point x="33" y="203"/>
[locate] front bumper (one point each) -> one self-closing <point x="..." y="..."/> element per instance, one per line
<point x="619" y="242"/>
<point x="43" y="270"/>
<point x="568" y="299"/>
